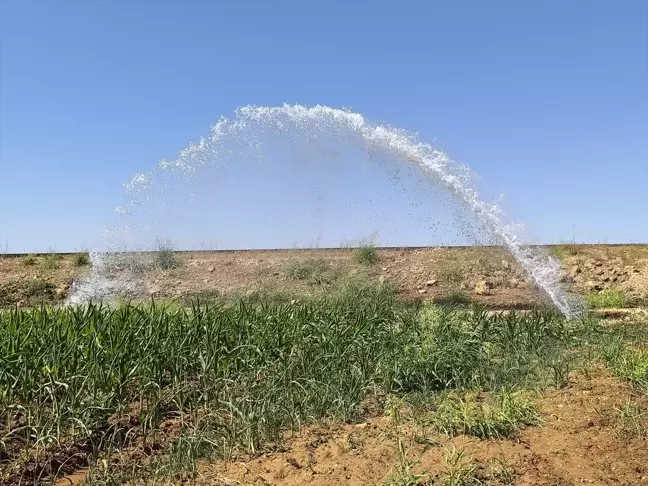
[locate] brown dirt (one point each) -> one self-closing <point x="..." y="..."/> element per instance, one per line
<point x="579" y="443"/>
<point x="450" y="272"/>
<point x="27" y="282"/>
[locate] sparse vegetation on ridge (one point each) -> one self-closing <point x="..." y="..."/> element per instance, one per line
<point x="81" y="259"/>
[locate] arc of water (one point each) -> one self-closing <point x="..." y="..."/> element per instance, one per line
<point x="544" y="269"/>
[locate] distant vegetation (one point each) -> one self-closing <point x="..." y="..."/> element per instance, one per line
<point x="366" y="254"/>
<point x="314" y="271"/>
<point x="165" y="257"/>
<point x="50" y="261"/>
<point x="608" y="298"/>
<point x="567" y="248"/>
<point x="81" y="259"/>
<point x="29" y="260"/>
<point x="39" y="288"/>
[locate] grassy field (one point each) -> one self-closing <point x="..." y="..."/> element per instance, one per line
<point x="308" y="367"/>
<point x="144" y="393"/>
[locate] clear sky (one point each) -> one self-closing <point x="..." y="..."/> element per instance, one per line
<point x="547" y="100"/>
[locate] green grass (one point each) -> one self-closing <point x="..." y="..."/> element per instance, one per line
<point x="463" y="470"/>
<point x="233" y="375"/>
<point x="465" y="350"/>
<point x="503" y="415"/>
<point x="627" y="362"/>
<point x="403" y="474"/>
<point x="460" y="469"/>
<point x="633" y="420"/>
<point x="81" y="259"/>
<point x="609" y="298"/>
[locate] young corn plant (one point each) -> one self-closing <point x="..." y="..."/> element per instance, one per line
<point x="234" y="375"/>
<point x="403" y="474"/>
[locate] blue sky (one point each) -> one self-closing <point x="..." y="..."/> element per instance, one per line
<point x="546" y="100"/>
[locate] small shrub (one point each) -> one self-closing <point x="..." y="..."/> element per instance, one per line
<point x="366" y="254"/>
<point x="502" y="472"/>
<point x="609" y="298"/>
<point x="165" y="257"/>
<point x="29" y="260"/>
<point x="560" y="369"/>
<point x="81" y="259"/>
<point x="50" y="261"/>
<point x="357" y="291"/>
<point x="566" y="248"/>
<point x="314" y="271"/>
<point x="39" y="288"/>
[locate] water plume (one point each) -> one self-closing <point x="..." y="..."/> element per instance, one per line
<point x="254" y="133"/>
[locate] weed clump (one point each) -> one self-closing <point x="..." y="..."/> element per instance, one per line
<point x="366" y="254"/>
<point x="609" y="298"/>
<point x="403" y="474"/>
<point x="164" y="257"/>
<point x="29" y="260"/>
<point x="81" y="259"/>
<point x="39" y="288"/>
<point x="627" y="363"/>
<point x="50" y="261"/>
<point x="460" y="469"/>
<point x="502" y="416"/>
<point x="314" y="271"/>
<point x="633" y="420"/>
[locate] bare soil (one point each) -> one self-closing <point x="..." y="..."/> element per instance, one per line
<point x="580" y="442"/>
